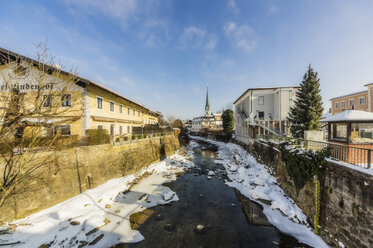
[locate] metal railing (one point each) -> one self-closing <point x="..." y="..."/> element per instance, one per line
<point x="351" y="154"/>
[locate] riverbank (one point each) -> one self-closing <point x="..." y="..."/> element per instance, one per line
<point x="254" y="181"/>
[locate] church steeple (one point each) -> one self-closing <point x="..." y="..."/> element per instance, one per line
<point x="207" y="106"/>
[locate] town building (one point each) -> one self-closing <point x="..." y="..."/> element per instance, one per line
<point x="209" y="122"/>
<point x="361" y="100"/>
<point x="84" y="105"/>
<point x="263" y="111"/>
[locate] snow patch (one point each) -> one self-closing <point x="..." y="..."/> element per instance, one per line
<point x="254" y="181"/>
<point x="99" y="216"/>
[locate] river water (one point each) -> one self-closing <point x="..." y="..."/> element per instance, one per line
<point x="228" y="218"/>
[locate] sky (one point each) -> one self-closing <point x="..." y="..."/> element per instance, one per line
<point x="164" y="53"/>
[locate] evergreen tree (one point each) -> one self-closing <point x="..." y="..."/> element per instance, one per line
<point x="308" y="109"/>
<point x="228" y="120"/>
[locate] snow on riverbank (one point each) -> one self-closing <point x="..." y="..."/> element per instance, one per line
<point x="100" y="216"/>
<point x="254" y="181"/>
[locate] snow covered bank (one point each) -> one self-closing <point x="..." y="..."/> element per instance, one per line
<point x="100" y="216"/>
<point x="254" y="181"/>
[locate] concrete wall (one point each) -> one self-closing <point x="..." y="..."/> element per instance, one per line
<point x="72" y="171"/>
<point x="346" y="198"/>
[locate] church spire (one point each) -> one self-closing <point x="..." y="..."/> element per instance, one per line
<point x="207" y="106"/>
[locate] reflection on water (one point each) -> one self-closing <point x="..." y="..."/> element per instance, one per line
<point x="228" y="218"/>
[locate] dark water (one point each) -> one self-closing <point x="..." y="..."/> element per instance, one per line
<point x="229" y="219"/>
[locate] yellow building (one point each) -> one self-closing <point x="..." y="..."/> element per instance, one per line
<point x="82" y="106"/>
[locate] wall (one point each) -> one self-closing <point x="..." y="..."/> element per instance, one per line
<point x="124" y="118"/>
<point x="346" y="100"/>
<point x="75" y="170"/>
<point x="346" y="198"/>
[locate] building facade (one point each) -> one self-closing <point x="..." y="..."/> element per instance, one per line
<point x="263" y="111"/>
<point x="361" y="100"/>
<point x="83" y="105"/>
<point x="208" y="122"/>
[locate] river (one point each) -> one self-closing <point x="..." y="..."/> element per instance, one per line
<point x="208" y="214"/>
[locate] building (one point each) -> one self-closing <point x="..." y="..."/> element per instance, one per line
<point x="263" y="111"/>
<point x="84" y="105"/>
<point x="361" y="100"/>
<point x="208" y="122"/>
<point x="353" y="131"/>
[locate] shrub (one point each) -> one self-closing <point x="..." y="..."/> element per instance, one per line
<point x="301" y="164"/>
<point x="97" y="136"/>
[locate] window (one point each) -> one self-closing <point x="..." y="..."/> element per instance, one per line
<point x="337" y="105"/>
<point x="339" y="131"/>
<point x="128" y="111"/>
<point x="138" y="113"/>
<point x="261" y="115"/>
<point x="261" y="100"/>
<point x="120" y="130"/>
<point x="47" y="101"/>
<point x="99" y="103"/>
<point x="290" y="95"/>
<point x="66" y="100"/>
<point x="112" y="106"/>
<point x="63" y="130"/>
<point x="343" y="104"/>
<point x="120" y="108"/>
<point x="360" y="132"/>
<point x="20" y="71"/>
<point x="128" y="129"/>
<point x="351" y="102"/>
<point x="100" y="127"/>
<point x="134" y="112"/>
<point x="362" y="100"/>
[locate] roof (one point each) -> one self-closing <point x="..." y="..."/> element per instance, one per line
<point x="14" y="55"/>
<point x="326" y="115"/>
<point x="350" y="116"/>
<point x="351" y="94"/>
<point x="264" y="88"/>
<point x="368" y="84"/>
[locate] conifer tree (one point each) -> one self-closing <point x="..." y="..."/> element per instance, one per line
<point x="228" y="120"/>
<point x="305" y="114"/>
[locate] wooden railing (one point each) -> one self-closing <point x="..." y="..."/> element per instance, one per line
<point x="351" y="154"/>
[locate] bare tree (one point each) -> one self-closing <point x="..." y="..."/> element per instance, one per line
<point x="35" y="99"/>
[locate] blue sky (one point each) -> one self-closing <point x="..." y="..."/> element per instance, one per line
<point x="163" y="53"/>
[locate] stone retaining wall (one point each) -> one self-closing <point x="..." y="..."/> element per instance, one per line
<point x="75" y="170"/>
<point x="346" y="198"/>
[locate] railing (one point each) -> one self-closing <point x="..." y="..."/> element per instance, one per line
<point x="355" y="155"/>
<point x="121" y="139"/>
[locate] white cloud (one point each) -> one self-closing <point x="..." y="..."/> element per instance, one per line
<point x="242" y="36"/>
<point x="198" y="38"/>
<point x="121" y="10"/>
<point x="273" y="9"/>
<point x="232" y="5"/>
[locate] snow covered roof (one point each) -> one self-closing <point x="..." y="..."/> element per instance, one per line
<point x="326" y="115"/>
<point x="350" y="116"/>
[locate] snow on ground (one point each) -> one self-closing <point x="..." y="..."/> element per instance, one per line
<point x="99" y="216"/>
<point x="254" y="181"/>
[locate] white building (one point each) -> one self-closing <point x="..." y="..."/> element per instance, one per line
<point x="263" y="111"/>
<point x="208" y="122"/>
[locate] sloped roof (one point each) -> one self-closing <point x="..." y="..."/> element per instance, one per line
<point x="350" y="116"/>
<point x="9" y="55"/>
<point x="351" y="94"/>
